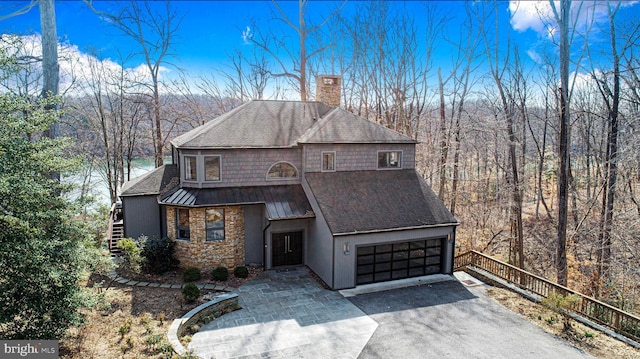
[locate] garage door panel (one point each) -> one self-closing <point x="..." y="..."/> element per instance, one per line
<point x="384" y="262"/>
<point x="416" y="272"/>
<point x="362" y="260"/>
<point x="399" y="265"/>
<point x="384" y="257"/>
<point x="365" y="269"/>
<point x="383" y="267"/>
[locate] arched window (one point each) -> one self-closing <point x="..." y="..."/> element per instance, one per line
<point x="282" y="170"/>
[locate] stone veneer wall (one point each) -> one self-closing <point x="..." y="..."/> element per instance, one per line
<point x="199" y="253"/>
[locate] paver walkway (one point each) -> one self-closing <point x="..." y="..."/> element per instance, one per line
<point x="286" y="314"/>
<point x="134" y="283"/>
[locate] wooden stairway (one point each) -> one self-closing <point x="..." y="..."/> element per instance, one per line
<point x="115" y="231"/>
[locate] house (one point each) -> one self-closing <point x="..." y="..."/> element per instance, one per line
<point x="282" y="183"/>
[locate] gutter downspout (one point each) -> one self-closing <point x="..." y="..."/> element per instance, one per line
<point x="264" y="245"/>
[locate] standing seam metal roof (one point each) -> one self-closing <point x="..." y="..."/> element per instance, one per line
<point x="282" y="201"/>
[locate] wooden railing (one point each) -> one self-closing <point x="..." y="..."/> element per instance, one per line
<point x="601" y="313"/>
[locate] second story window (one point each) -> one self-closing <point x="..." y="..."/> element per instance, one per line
<point x="212" y="168"/>
<point x="389" y="159"/>
<point x="328" y="161"/>
<point x="282" y="170"/>
<point x="190" y="168"/>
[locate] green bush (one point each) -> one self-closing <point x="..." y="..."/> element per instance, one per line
<point x="561" y="304"/>
<point x="190" y="292"/>
<point x="158" y="254"/>
<point x="220" y="274"/>
<point x="132" y="252"/>
<point x="191" y="274"/>
<point x="241" y="272"/>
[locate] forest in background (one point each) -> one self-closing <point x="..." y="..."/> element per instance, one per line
<point x="536" y="172"/>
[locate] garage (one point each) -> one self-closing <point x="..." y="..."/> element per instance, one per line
<point x="391" y="261"/>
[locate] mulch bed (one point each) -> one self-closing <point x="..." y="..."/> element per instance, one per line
<point x="175" y="277"/>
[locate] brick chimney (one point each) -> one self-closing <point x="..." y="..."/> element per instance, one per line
<point x="328" y="89"/>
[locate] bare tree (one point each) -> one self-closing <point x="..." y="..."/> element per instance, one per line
<point x="155" y="32"/>
<point x="562" y="19"/>
<point x="498" y="67"/>
<point x="300" y="54"/>
<point x="114" y="112"/>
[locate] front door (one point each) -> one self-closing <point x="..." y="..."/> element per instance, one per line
<point x="286" y="248"/>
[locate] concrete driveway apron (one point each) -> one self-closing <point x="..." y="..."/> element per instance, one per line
<point x="286" y="314"/>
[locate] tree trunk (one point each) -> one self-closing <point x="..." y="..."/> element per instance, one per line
<point x="563" y="151"/>
<point x="444" y="150"/>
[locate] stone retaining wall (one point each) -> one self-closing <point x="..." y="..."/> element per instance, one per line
<point x="177" y="328"/>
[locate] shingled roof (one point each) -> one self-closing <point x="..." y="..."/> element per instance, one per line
<point x="371" y="201"/>
<point x="256" y="124"/>
<point x="341" y="126"/>
<point x="157" y="181"/>
<point x="281" y="124"/>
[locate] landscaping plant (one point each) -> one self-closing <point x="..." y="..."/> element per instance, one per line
<point x="220" y="274"/>
<point x="241" y="272"/>
<point x="190" y="292"/>
<point x="191" y="274"/>
<point x="158" y="254"/>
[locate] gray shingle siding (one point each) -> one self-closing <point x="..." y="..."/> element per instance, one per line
<point x="356" y="157"/>
<point x="248" y="167"/>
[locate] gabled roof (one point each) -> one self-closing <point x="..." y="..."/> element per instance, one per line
<point x="154" y="182"/>
<point x="340" y="126"/>
<point x="282" y="201"/>
<point x="256" y="124"/>
<point x="372" y="201"/>
<point x="281" y="124"/>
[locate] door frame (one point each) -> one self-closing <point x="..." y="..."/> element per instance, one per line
<point x="303" y="244"/>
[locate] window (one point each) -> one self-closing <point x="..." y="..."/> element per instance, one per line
<point x="212" y="168"/>
<point x="389" y="159"/>
<point x="328" y="161"/>
<point x="282" y="170"/>
<point x="182" y="224"/>
<point x="214" y="224"/>
<point x="190" y="168"/>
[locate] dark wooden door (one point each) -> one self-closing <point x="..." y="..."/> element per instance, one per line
<point x="286" y="248"/>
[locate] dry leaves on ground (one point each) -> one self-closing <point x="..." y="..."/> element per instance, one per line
<point x="590" y="340"/>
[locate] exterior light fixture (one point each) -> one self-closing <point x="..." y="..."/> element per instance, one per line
<point x="345" y="248"/>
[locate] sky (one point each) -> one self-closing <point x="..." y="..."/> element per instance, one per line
<point x="211" y="30"/>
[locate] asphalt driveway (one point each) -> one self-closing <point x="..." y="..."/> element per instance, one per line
<point x="449" y="320"/>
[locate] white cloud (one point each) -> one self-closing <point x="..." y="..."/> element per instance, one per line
<point x="76" y="66"/>
<point x="539" y="15"/>
<point x="247" y="35"/>
<point x="530" y="15"/>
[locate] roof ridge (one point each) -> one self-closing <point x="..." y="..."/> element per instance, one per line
<point x="317" y="126"/>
